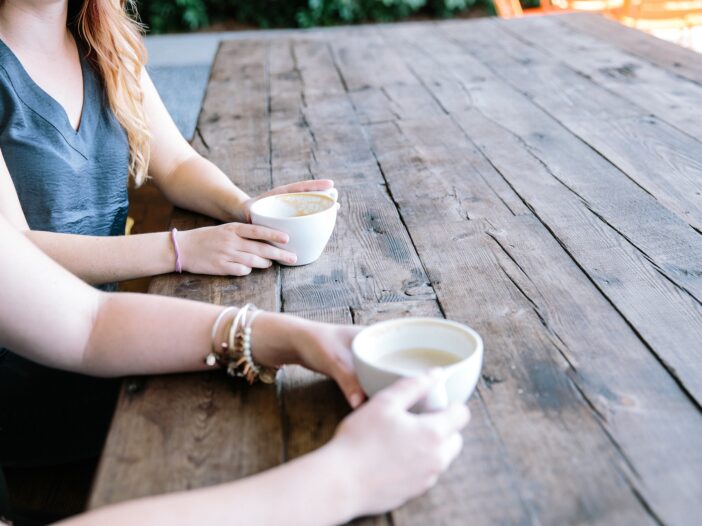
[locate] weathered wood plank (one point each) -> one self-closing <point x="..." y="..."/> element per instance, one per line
<point x="386" y="268"/>
<point x="551" y="266"/>
<point x="369" y="259"/>
<point x="388" y="311"/>
<point x="441" y="171"/>
<point x="394" y="102"/>
<point x="437" y="242"/>
<point x="632" y="395"/>
<point x="544" y="163"/>
<point x="660" y="158"/>
<point x="482" y="469"/>
<point x="166" y="428"/>
<point x="679" y="60"/>
<point x="543" y="422"/>
<point x="366" y="63"/>
<point x="313" y="125"/>
<point x="653" y="89"/>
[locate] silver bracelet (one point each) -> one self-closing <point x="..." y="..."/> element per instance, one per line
<point x="211" y="359"/>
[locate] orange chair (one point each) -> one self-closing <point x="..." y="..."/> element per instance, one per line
<point x="513" y="9"/>
<point x="660" y="14"/>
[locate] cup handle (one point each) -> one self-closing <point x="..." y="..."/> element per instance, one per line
<point x="437" y="399"/>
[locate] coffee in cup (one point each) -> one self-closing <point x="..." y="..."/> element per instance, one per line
<point x="307" y="217"/>
<point x="387" y="351"/>
<point x="417" y="359"/>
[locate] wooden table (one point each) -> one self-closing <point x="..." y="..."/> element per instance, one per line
<point x="538" y="179"/>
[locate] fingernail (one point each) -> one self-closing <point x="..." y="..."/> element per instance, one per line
<point x="292" y="259"/>
<point x="355" y="400"/>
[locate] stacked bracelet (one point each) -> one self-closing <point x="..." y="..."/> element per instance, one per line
<point x="234" y="355"/>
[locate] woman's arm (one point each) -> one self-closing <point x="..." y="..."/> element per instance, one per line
<point x="309" y="491"/>
<point x="186" y="178"/>
<point x="51" y="317"/>
<point x="232" y="249"/>
<point x="189" y="180"/>
<point x="380" y="456"/>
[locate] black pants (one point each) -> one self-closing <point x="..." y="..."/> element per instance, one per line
<point x="50" y="417"/>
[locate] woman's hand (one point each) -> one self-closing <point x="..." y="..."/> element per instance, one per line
<point x="232" y="249"/>
<point x="280" y="339"/>
<point x="390" y="455"/>
<point x="311" y="185"/>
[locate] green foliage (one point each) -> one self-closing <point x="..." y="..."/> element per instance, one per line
<point x="174" y="15"/>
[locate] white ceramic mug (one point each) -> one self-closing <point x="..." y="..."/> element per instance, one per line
<point x="307" y="217"/>
<point x="457" y="381"/>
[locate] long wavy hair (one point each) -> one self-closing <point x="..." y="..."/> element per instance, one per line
<point x="111" y="36"/>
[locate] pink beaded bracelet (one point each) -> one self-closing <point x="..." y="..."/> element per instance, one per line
<point x="178" y="264"/>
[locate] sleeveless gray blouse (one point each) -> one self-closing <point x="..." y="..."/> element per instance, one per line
<point x="67" y="181"/>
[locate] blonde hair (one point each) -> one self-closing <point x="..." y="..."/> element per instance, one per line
<point x="115" y="47"/>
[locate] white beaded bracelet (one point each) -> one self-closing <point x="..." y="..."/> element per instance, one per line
<point x="235" y="355"/>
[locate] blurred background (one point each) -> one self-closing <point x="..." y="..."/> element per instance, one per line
<point x="189" y="15"/>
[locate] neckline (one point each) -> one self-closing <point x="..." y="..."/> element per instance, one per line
<point x="46" y="106"/>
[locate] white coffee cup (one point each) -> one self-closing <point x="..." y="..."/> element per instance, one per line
<point x="375" y="345"/>
<point x="307" y="217"/>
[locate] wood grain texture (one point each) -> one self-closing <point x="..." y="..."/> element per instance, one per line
<point x="536" y="179"/>
<point x="476" y="130"/>
<point x="661" y="159"/>
<point x="305" y="81"/>
<point x="654" y="90"/>
<point x="540" y="417"/>
<point x="678" y="60"/>
<point x="544" y="164"/>
<point x="180" y="432"/>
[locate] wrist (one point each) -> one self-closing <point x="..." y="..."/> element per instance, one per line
<point x="233" y="207"/>
<point x="273" y="339"/>
<point x="179" y="251"/>
<point x="168" y="254"/>
<point x="341" y="485"/>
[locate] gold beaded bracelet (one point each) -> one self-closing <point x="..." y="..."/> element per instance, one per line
<point x="234" y="355"/>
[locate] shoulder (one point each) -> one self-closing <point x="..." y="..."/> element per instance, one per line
<point x="8" y="96"/>
<point x="8" y="92"/>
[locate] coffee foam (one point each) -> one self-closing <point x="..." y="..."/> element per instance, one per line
<point x="298" y="205"/>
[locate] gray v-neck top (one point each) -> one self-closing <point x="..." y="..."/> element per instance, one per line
<point x="67" y="181"/>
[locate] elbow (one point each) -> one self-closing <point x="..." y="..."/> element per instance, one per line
<point x="91" y="358"/>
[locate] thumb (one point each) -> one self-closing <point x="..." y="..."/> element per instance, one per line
<point x="408" y="391"/>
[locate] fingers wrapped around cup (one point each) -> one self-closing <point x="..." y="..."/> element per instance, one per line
<point x="391" y="350"/>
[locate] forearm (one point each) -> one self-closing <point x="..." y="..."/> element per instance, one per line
<point x="198" y="185"/>
<point x="312" y="490"/>
<point x="164" y="335"/>
<point x="106" y="259"/>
